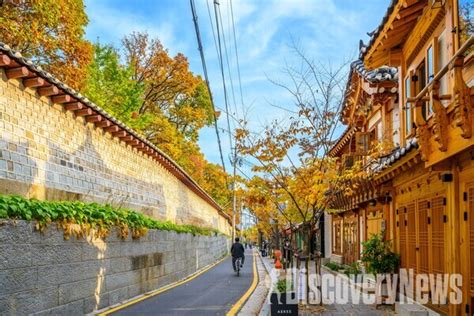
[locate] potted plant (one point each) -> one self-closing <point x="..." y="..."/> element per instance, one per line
<point x="378" y="258"/>
<point x="283" y="300"/>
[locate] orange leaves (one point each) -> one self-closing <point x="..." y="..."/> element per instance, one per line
<point x="52" y="33"/>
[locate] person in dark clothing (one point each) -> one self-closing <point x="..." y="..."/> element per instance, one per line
<point x="237" y="251"/>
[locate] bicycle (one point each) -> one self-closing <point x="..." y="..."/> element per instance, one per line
<point x="237" y="265"/>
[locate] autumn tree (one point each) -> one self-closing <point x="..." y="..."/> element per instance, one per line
<point x="171" y="89"/>
<point x="51" y="32"/>
<point x="292" y="166"/>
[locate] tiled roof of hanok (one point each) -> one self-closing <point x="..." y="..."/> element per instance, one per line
<point x="342" y="141"/>
<point x="17" y="61"/>
<point x="396" y="155"/>
<point x="363" y="48"/>
<point x="394" y="28"/>
<point x="381" y="74"/>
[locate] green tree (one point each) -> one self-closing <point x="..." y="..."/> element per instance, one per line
<point x="110" y="85"/>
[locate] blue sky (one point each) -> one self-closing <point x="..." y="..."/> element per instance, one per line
<point x="327" y="30"/>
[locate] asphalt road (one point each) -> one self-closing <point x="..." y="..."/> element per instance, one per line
<point x="212" y="293"/>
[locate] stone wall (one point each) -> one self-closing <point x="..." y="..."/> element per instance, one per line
<point x="49" y="153"/>
<point x="45" y="274"/>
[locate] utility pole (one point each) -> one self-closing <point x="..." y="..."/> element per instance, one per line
<point x="234" y="197"/>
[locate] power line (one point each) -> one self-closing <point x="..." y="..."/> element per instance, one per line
<point x="206" y="78"/>
<point x="236" y="55"/>
<point x="212" y="28"/>
<point x="216" y="3"/>
<point x="227" y="59"/>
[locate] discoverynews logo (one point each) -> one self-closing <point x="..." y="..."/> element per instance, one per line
<point x="404" y="287"/>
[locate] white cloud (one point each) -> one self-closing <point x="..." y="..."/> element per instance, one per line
<point x="111" y="25"/>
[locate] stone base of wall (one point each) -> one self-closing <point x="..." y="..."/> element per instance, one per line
<point x="44" y="274"/>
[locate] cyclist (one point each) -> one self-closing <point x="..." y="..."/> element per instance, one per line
<point x="237" y="251"/>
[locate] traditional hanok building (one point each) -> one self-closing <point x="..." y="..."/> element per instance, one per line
<point x="421" y="192"/>
<point x="371" y="114"/>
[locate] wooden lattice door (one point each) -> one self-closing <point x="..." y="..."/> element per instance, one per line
<point x="350" y="239"/>
<point x="422" y="222"/>
<point x="438" y="219"/>
<point x="437" y="224"/>
<point x="411" y="235"/>
<point x="402" y="223"/>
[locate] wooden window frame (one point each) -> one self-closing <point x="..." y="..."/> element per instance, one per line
<point x="422" y="65"/>
<point x="408" y="130"/>
<point x="362" y="136"/>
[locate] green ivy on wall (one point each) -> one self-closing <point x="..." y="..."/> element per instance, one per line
<point x="79" y="218"/>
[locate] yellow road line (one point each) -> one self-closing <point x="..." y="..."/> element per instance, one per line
<point x="236" y="307"/>
<point x="161" y="290"/>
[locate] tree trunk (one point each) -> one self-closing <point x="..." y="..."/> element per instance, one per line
<point x="308" y="257"/>
<point x="317" y="266"/>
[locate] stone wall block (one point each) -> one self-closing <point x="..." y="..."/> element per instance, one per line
<point x="118" y="296"/>
<point x="52" y="234"/>
<point x="15" y="256"/>
<point x="123" y="279"/>
<point x="113" y="249"/>
<point x="74" y="291"/>
<point x="43" y="254"/>
<point x="121" y="264"/>
<point x="160" y="236"/>
<point x="16" y="232"/>
<point x="91" y="252"/>
<point x="16" y="280"/>
<point x="29" y="302"/>
<point x="71" y="272"/>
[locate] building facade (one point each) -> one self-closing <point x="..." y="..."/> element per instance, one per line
<point x="409" y="115"/>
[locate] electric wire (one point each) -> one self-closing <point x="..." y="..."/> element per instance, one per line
<point x="226" y="57"/>
<point x="237" y="56"/>
<point x="206" y="78"/>
<point x="226" y="102"/>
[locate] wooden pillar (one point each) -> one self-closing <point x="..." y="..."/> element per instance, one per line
<point x="342" y="238"/>
<point x="453" y="9"/>
<point x="362" y="228"/>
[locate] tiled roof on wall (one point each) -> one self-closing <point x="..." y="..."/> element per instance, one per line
<point x="23" y="68"/>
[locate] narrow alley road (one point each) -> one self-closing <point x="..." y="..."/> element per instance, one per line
<point x="212" y="293"/>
